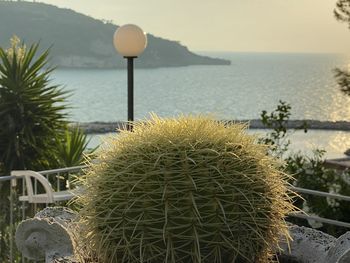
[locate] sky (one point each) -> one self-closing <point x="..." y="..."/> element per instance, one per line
<point x="229" y="25"/>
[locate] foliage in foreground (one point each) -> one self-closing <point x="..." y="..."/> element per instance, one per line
<point x="342" y="77"/>
<point x="309" y="172"/>
<point x="31" y="116"/>
<point x="33" y="124"/>
<point x="71" y="147"/>
<point x="342" y="14"/>
<point x="342" y="11"/>
<point x="31" y="109"/>
<point x="185" y="190"/>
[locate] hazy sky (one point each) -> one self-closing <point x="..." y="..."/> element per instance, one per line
<point x="229" y="25"/>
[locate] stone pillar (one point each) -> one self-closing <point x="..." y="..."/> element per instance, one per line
<point x="48" y="236"/>
<point x="313" y="246"/>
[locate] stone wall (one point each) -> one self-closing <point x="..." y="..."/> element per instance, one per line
<point x="52" y="236"/>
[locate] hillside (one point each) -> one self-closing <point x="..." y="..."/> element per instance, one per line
<point x="78" y="40"/>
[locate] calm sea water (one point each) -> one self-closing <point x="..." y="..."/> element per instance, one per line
<point x="334" y="142"/>
<point x="254" y="82"/>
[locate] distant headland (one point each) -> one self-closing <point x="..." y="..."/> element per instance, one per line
<point x="80" y="41"/>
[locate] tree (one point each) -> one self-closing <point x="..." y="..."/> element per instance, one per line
<point x="308" y="171"/>
<point x="342" y="11"/>
<point x="32" y="119"/>
<point x="342" y="14"/>
<point x="34" y="130"/>
<point x="32" y="110"/>
<point x="71" y="148"/>
<point x="343" y="79"/>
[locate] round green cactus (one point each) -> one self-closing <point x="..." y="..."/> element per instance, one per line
<point x="185" y="190"/>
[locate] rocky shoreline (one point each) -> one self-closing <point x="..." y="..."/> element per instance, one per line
<point x="106" y="127"/>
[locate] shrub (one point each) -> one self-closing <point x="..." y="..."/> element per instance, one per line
<point x="342" y="76"/>
<point x="184" y="190"/>
<point x="309" y="172"/>
<point x="31" y="117"/>
<point x="33" y="123"/>
<point x="32" y="111"/>
<point x="71" y="148"/>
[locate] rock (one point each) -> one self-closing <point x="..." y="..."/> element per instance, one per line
<point x="313" y="246"/>
<point x="47" y="236"/>
<point x="340" y="250"/>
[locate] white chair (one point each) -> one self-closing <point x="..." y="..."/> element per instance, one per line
<point x="50" y="196"/>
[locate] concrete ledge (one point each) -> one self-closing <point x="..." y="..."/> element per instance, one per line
<point x="313" y="246"/>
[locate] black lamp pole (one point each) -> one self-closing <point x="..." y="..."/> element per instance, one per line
<point x="130" y="92"/>
<point x="130" y="41"/>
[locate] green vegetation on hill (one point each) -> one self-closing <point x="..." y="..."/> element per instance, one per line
<point x="78" y="40"/>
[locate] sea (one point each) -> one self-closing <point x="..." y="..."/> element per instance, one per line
<point x="252" y="83"/>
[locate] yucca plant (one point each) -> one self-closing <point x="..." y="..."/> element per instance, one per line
<point x="71" y="148"/>
<point x="32" y="111"/>
<point x="189" y="189"/>
<point x="32" y="116"/>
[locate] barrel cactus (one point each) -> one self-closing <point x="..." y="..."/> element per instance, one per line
<point x="189" y="189"/>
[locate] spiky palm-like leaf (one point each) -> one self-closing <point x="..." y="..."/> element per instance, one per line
<point x="71" y="147"/>
<point x="32" y="111"/>
<point x="31" y="117"/>
<point x="184" y="190"/>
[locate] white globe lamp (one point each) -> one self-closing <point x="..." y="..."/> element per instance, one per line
<point x="130" y="41"/>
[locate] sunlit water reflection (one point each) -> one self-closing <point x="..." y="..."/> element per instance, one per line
<point x="334" y="142"/>
<point x="254" y="82"/>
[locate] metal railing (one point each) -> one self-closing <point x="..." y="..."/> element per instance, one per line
<point x="317" y="218"/>
<point x="78" y="169"/>
<point x="59" y="179"/>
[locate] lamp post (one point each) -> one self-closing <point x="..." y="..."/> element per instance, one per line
<point x="130" y="41"/>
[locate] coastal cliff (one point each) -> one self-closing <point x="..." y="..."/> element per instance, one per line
<point x="80" y="41"/>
